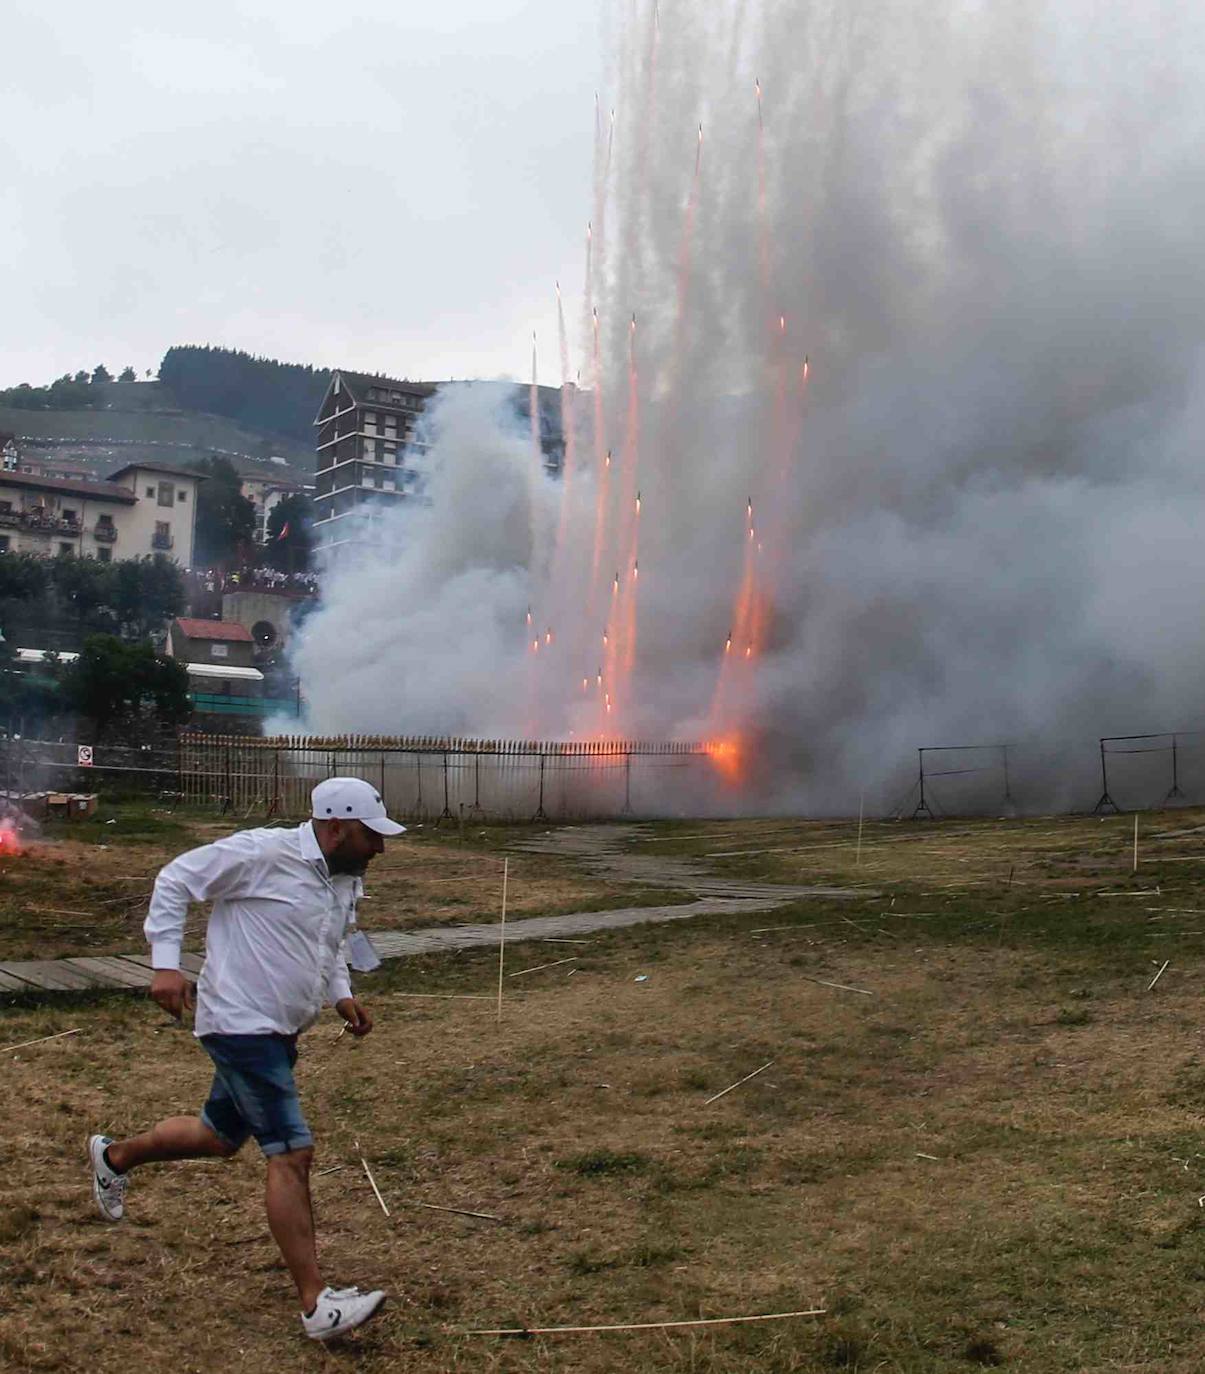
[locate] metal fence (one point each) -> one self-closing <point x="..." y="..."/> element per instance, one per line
<point x="35" y="765"/>
<point x="428" y="778"/>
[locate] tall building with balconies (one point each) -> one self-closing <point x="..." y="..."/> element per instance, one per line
<point x="366" y="428"/>
<point x="368" y="437"/>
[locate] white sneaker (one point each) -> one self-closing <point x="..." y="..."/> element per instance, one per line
<point x="108" y="1186"/>
<point x="338" y="1310"/>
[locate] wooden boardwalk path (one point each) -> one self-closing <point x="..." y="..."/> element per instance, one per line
<point x="596" y="845"/>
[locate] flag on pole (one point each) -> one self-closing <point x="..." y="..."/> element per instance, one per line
<point x="284" y="532"/>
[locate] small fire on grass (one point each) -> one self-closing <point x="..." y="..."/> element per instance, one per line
<point x="10" y="838"/>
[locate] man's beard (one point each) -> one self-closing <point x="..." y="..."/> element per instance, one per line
<point x="345" y="865"/>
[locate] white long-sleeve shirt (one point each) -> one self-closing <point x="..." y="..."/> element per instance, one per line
<point x="273" y="946"/>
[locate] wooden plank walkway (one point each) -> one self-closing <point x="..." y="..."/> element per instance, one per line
<point x="598" y="848"/>
<point x="134" y="970"/>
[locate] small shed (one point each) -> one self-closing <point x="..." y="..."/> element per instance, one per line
<point x="222" y="643"/>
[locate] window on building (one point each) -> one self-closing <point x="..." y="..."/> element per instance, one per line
<point x="67" y="513"/>
<point x="104" y="555"/>
<point x="167" y="494"/>
<point x="150" y="493"/>
<point x="5" y="543"/>
<point x="219" y="651"/>
<point x="181" y="494"/>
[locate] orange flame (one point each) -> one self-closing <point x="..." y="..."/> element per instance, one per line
<point x="726" y="755"/>
<point x="10" y="839"/>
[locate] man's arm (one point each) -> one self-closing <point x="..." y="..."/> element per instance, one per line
<point x="213" y="870"/>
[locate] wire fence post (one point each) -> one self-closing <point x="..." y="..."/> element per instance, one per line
<point x="446" y="813"/>
<point x="1105" y="799"/>
<point x="540" y="813"/>
<point x="923" y="809"/>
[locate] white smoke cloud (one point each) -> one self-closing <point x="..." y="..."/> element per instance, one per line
<point x="981" y="228"/>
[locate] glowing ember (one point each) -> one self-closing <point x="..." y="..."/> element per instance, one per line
<point x="726" y="755"/>
<point x="10" y="839"/>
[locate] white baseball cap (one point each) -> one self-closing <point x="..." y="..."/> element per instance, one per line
<point x="352" y="799"/>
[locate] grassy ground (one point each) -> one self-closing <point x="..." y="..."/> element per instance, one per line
<point x="987" y="1157"/>
<point x="84" y="889"/>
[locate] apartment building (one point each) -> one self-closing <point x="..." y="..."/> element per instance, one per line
<point x="368" y="436"/>
<point x="366" y="428"/>
<point x="141" y="509"/>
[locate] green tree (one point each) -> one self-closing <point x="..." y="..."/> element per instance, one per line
<point x="147" y="592"/>
<point x="290" y="541"/>
<point x="128" y="375"/>
<point x="113" y="684"/>
<point x="83" y="585"/>
<point x="225" y="517"/>
<point x="22" y="576"/>
<point x="100" y="373"/>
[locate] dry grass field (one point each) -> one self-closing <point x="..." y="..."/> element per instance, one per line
<point x="989" y="1156"/>
<point x="84" y="889"/>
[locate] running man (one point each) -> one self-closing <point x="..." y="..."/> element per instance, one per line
<point x="284" y="901"/>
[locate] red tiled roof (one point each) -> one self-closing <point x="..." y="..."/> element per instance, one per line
<point x="108" y="491"/>
<point x="215" y="629"/>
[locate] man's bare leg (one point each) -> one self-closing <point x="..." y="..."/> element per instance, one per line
<point x="179" y="1137"/>
<point x="291" y="1221"/>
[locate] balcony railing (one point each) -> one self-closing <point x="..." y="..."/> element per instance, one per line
<point x="39" y="522"/>
<point x="105" y="534"/>
<point x="161" y="541"/>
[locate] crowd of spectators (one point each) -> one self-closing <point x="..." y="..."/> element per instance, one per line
<point x="215" y="581"/>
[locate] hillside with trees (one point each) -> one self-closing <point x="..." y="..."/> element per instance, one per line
<point x="280" y="398"/>
<point x="205" y="401"/>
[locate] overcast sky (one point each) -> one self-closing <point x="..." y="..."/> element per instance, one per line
<point x="380" y="184"/>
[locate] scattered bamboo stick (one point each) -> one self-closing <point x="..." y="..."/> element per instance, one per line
<point x="643" y="1326"/>
<point x="455" y="996"/>
<point x="334" y="1169"/>
<point x="1158" y="975"/>
<point x="573" y="958"/>
<point x="502" y="935"/>
<point x="861" y="812"/>
<point x="371" y="1180"/>
<point x="824" y="983"/>
<point x="41" y="1040"/>
<point x="1135" y="868"/>
<point x="738" y="1083"/>
<point x="459" y="1211"/>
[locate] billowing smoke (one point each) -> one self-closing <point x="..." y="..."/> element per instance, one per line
<point x="914" y="402"/>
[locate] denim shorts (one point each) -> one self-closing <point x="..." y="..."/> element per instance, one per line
<point x="253" y="1092"/>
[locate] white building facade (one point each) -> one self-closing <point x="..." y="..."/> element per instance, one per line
<point x="140" y="510"/>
